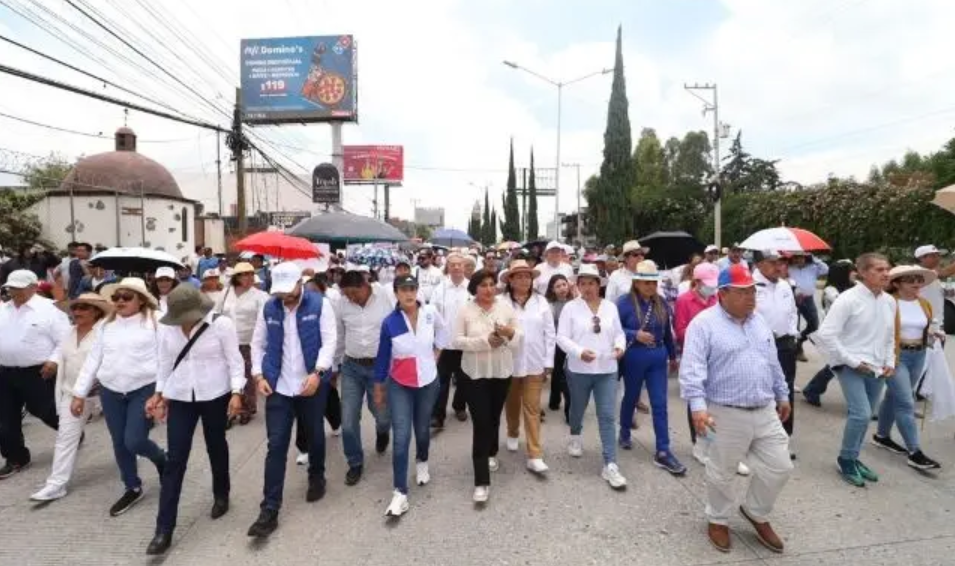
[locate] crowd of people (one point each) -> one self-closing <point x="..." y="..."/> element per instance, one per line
<point x="218" y="340"/>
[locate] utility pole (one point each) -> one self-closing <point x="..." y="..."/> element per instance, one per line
<point x="237" y="153"/>
<point x="524" y="203"/>
<point x="579" y="219"/>
<point x="219" y="169"/>
<point x="375" y="201"/>
<point x="713" y="107"/>
<point x="387" y="202"/>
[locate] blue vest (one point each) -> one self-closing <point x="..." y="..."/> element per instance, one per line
<point x="308" y="317"/>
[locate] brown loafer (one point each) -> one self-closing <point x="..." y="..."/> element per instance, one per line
<point x="764" y="533"/>
<point x="719" y="537"/>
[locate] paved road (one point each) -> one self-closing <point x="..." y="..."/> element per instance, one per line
<point x="570" y="518"/>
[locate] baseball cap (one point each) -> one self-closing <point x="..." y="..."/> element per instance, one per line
<point x="706" y="273"/>
<point x="166" y="272"/>
<point x="405" y="281"/>
<point x="553" y="245"/>
<point x="923" y="251"/>
<point x="711" y="248"/>
<point x="285" y="276"/>
<point x="21" y="279"/>
<point x="737" y="275"/>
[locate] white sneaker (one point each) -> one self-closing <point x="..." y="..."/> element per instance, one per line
<point x="481" y="493"/>
<point x="699" y="452"/>
<point x="302" y="459"/>
<point x="743" y="470"/>
<point x="537" y="466"/>
<point x="49" y="493"/>
<point x="575" y="447"/>
<point x="612" y="474"/>
<point x="422" y="475"/>
<point x="398" y="505"/>
<point x="493" y="464"/>
<point x="512" y="444"/>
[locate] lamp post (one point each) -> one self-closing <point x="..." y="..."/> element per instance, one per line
<point x="560" y="89"/>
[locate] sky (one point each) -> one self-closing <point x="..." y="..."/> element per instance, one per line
<point x="825" y="86"/>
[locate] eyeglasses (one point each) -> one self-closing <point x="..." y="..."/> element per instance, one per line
<point x="596" y="321"/>
<point x="123" y="297"/>
<point x="912" y="279"/>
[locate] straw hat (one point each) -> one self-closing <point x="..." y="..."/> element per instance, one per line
<point x="903" y="270"/>
<point x="589" y="270"/>
<point x="518" y="266"/>
<point x="91" y="299"/>
<point x="186" y="305"/>
<point x="242" y="267"/>
<point x="634" y="246"/>
<point x="647" y="271"/>
<point x="134" y="284"/>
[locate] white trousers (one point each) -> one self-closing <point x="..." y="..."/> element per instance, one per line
<point x="758" y="433"/>
<point x="67" y="442"/>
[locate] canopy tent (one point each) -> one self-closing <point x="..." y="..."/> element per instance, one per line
<point x="340" y="227"/>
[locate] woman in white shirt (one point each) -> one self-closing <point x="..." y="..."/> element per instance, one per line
<point x="164" y="281"/>
<point x="200" y="377"/>
<point x="211" y="285"/>
<point x="533" y="361"/>
<point x="589" y="331"/>
<point x="124" y="361"/>
<point x="487" y="332"/>
<point x="242" y="302"/>
<point x="87" y="311"/>
<point x="411" y="340"/>
<point x="914" y="332"/>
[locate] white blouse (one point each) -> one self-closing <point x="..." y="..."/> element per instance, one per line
<point x="124" y="357"/>
<point x="575" y="333"/>
<point x="243" y="309"/>
<point x="912" y="321"/>
<point x="535" y="351"/>
<point x="471" y="331"/>
<point x="212" y="368"/>
<point x="73" y="352"/>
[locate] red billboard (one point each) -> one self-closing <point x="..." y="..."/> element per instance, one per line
<point x="371" y="164"/>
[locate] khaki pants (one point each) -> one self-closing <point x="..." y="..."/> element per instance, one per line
<point x="739" y="432"/>
<point x="524" y="397"/>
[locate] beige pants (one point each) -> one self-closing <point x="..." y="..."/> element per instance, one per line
<point x="524" y="396"/>
<point x="760" y="435"/>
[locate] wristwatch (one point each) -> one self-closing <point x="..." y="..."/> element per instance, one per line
<point x="238" y="392"/>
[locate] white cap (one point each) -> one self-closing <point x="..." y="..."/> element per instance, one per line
<point x="21" y="279"/>
<point x="589" y="270"/>
<point x="711" y="248"/>
<point x="211" y="273"/>
<point x="553" y="245"/>
<point x="569" y="249"/>
<point x="285" y="276"/>
<point x="923" y="251"/>
<point x="167" y="272"/>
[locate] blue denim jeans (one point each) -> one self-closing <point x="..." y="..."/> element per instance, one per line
<point x="410" y="408"/>
<point x="898" y="406"/>
<point x="125" y="415"/>
<point x="646" y="366"/>
<point x="862" y="392"/>
<point x="356" y="384"/>
<point x="280" y="414"/>
<point x="604" y="388"/>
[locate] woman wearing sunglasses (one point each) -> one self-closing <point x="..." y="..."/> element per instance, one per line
<point x="589" y="331"/>
<point x="914" y="331"/>
<point x="124" y="360"/>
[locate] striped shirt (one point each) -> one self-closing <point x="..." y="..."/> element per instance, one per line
<point x="730" y="363"/>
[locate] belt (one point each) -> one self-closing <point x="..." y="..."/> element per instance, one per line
<point x="367" y="362"/>
<point x="20" y="368"/>
<point x="745" y="408"/>
<point x="916" y="346"/>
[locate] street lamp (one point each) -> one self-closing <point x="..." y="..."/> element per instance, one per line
<point x="560" y="88"/>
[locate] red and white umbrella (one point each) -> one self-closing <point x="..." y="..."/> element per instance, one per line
<point x="785" y="239"/>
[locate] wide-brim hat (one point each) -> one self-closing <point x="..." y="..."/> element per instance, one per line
<point x="903" y="270"/>
<point x="134" y="284"/>
<point x="186" y="305"/>
<point x="589" y="270"/>
<point x="518" y="266"/>
<point x="647" y="270"/>
<point x="242" y="267"/>
<point x="634" y="246"/>
<point x="91" y="299"/>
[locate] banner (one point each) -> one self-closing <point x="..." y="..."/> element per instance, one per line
<point x="326" y="184"/>
<point x="298" y="79"/>
<point x="369" y="164"/>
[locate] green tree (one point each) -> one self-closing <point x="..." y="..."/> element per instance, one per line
<point x="511" y="223"/>
<point x="693" y="163"/>
<point x="487" y="228"/>
<point x="744" y="173"/>
<point x="47" y="173"/>
<point x="492" y="233"/>
<point x="532" y="228"/>
<point x="609" y="202"/>
<point x="423" y="231"/>
<point x="19" y="226"/>
<point x="650" y="160"/>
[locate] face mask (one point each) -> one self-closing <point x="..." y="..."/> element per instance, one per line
<point x="706" y="291"/>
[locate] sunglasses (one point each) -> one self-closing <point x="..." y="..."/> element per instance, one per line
<point x="596" y="321"/>
<point x="912" y="279"/>
<point x="123" y="297"/>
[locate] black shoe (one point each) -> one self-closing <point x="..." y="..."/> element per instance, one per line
<point x="353" y="475"/>
<point x="219" y="507"/>
<point x="553" y="407"/>
<point x="812" y="399"/>
<point x="126" y="502"/>
<point x="265" y="525"/>
<point x="381" y="442"/>
<point x="888" y="444"/>
<point x="159" y="545"/>
<point x="437" y="423"/>
<point x="461" y="415"/>
<point x="10" y="469"/>
<point x="920" y="461"/>
<point x="316" y="489"/>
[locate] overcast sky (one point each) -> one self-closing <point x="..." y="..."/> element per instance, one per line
<point x="826" y="86"/>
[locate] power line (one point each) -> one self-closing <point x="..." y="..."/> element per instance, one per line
<point x="86" y="134"/>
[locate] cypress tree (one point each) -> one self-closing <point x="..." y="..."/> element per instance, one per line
<point x="532" y="228"/>
<point x="492" y="233"/>
<point x="511" y="225"/>
<point x="486" y="227"/>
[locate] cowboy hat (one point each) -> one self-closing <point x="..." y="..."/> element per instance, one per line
<point x="186" y="305"/>
<point x="91" y="299"/>
<point x="903" y="270"/>
<point x="242" y="267"/>
<point x="589" y="270"/>
<point x="134" y="284"/>
<point x="647" y="271"/>
<point x="518" y="266"/>
<point x="634" y="246"/>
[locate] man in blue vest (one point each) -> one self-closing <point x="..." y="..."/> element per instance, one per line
<point x="293" y="347"/>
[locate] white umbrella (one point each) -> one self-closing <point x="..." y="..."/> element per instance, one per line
<point x="134" y="260"/>
<point x="945" y="198"/>
<point x="784" y="239"/>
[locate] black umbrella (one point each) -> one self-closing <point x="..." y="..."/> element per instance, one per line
<point x="671" y="249"/>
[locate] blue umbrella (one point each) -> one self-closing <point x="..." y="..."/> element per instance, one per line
<point x="451" y="238"/>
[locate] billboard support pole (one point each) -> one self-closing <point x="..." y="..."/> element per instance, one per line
<point x="337" y="152"/>
<point x="387" y="201"/>
<point x="239" y="164"/>
<point x="375" y="201"/>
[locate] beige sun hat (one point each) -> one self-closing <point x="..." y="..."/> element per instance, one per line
<point x="518" y="266"/>
<point x="91" y="299"/>
<point x="134" y="284"/>
<point x="903" y="270"/>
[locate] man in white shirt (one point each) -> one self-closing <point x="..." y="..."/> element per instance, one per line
<point x="930" y="257"/>
<point x="293" y="349"/>
<point x="427" y="274"/>
<point x="448" y="298"/>
<point x="621" y="280"/>
<point x="776" y="303"/>
<point x="734" y="257"/>
<point x="711" y="254"/>
<point x="553" y="264"/>
<point x="858" y="337"/>
<point x="31" y="332"/>
<point x="359" y="315"/>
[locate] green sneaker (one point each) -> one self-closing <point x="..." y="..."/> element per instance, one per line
<point x="850" y="472"/>
<point x="866" y="473"/>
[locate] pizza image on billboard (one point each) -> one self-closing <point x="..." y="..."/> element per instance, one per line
<point x="369" y="164"/>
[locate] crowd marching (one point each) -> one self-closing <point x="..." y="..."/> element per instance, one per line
<point x="218" y="340"/>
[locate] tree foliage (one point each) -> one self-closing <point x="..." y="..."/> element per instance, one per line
<point x="743" y="173"/>
<point x="511" y="221"/>
<point x="47" y="173"/>
<point x="487" y="227"/>
<point x="18" y="225"/>
<point x="492" y="232"/>
<point x="533" y="230"/>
